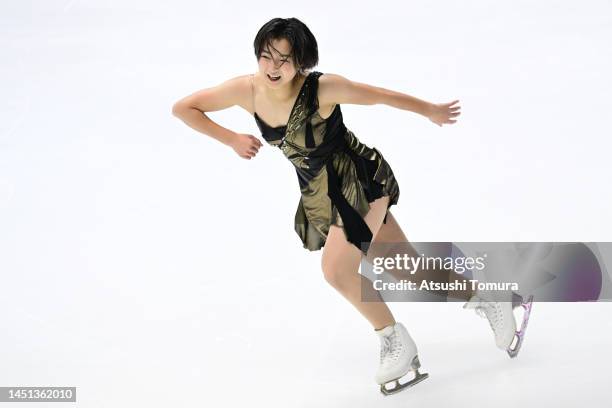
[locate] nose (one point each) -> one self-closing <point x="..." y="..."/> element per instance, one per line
<point x="277" y="64"/>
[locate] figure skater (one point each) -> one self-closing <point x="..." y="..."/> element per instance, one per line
<point x="346" y="187"/>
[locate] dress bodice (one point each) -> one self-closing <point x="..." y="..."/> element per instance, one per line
<point x="330" y="162"/>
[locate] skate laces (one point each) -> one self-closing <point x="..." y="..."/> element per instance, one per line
<point x="385" y="347"/>
<point x="390" y="347"/>
<point x="487" y="309"/>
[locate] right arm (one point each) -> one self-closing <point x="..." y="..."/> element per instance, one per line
<point x="192" y="110"/>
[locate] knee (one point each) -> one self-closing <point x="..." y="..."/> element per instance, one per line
<point x="333" y="273"/>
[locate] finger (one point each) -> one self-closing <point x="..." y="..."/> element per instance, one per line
<point x="455" y="114"/>
<point x="455" y="108"/>
<point x="255" y="140"/>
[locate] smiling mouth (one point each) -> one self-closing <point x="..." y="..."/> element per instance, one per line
<point x="273" y="79"/>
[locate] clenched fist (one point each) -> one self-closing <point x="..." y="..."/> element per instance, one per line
<point x="247" y="146"/>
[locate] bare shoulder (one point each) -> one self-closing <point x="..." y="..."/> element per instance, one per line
<point x="235" y="91"/>
<point x="337" y="89"/>
<point x="243" y="86"/>
<point x="331" y="87"/>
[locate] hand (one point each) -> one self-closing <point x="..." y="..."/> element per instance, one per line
<point x="440" y="113"/>
<point x="247" y="146"/>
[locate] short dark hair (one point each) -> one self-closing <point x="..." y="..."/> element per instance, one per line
<point x="304" y="47"/>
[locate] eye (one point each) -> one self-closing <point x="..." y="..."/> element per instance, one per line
<point x="264" y="56"/>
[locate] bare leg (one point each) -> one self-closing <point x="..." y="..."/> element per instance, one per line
<point x="340" y="264"/>
<point x="391" y="232"/>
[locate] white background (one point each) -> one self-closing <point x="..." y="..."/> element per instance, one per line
<point x="149" y="265"/>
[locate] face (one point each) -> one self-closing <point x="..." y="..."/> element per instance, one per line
<point x="276" y="61"/>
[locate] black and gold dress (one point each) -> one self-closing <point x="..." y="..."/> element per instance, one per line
<point x="338" y="175"/>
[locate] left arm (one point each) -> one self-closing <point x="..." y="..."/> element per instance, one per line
<point x="337" y="89"/>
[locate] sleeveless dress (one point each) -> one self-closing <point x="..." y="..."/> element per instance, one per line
<point x="338" y="175"/>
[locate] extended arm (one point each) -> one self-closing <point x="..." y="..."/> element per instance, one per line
<point x="337" y="89"/>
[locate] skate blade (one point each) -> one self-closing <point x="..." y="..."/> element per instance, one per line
<point x="401" y="387"/>
<point x="520" y="335"/>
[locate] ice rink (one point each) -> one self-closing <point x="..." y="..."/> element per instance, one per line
<point x="149" y="266"/>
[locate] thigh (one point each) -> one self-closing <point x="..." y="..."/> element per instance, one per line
<point x="338" y="250"/>
<point x="390" y="231"/>
<point x="390" y="239"/>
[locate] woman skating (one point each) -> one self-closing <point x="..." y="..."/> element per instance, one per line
<point x="346" y="186"/>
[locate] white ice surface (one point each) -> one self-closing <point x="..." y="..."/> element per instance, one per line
<point x="148" y="265"/>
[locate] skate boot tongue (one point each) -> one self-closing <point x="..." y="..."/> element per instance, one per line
<point x="386" y="331"/>
<point x="482" y="297"/>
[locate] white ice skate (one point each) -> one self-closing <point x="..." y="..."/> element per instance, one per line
<point x="398" y="356"/>
<point x="498" y="309"/>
